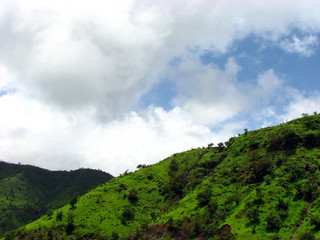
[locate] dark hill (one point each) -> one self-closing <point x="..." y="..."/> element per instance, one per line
<point x="27" y="192"/>
<point x="263" y="184"/>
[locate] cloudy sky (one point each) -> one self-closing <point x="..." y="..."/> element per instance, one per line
<point x="112" y="84"/>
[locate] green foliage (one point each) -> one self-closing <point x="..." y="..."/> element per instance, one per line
<point x="315" y="221"/>
<point x="273" y="222"/>
<point x="204" y="197"/>
<point x="127" y="214"/>
<point x="173" y="166"/>
<point x="307" y="236"/>
<point x="28" y="192"/>
<point x="69" y="228"/>
<point x="253" y="214"/>
<point x="133" y="196"/>
<point x="59" y="215"/>
<point x="261" y="185"/>
<point x="74" y="200"/>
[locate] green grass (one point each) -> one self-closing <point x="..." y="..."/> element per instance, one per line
<point x="27" y="192"/>
<point x="256" y="187"/>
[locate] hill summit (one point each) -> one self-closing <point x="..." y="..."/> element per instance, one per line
<point x="28" y="192"/>
<point x="262" y="184"/>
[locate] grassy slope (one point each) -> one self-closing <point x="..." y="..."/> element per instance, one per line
<point x="27" y="192"/>
<point x="263" y="185"/>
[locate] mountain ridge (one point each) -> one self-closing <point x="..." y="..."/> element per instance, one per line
<point x="27" y="192"/>
<point x="263" y="184"/>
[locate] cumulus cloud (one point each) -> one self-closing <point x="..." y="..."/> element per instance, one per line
<point x="66" y="64"/>
<point x="300" y="103"/>
<point x="77" y="54"/>
<point x="305" y="46"/>
<point x="32" y="133"/>
<point x="212" y="95"/>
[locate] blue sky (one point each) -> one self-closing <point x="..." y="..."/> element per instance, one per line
<point x="113" y="85"/>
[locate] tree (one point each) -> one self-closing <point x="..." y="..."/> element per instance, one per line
<point x="273" y="222"/>
<point x="127" y="214"/>
<point x="74" y="200"/>
<point x="133" y="196"/>
<point x="220" y="146"/>
<point x="204" y="197"/>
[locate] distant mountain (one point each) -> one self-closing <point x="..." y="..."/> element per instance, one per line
<point x="262" y="184"/>
<point x="28" y="192"/>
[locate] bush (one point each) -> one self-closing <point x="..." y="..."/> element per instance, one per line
<point x="59" y="215"/>
<point x="307" y="236"/>
<point x="141" y="166"/>
<point x="174" y="188"/>
<point x="253" y="215"/>
<point x="220" y="147"/>
<point x="115" y="236"/>
<point x="74" y="200"/>
<point x="69" y="228"/>
<point x="291" y="140"/>
<point x="204" y="197"/>
<point x="127" y="214"/>
<point x="173" y="166"/>
<point x="311" y="140"/>
<point x="133" y="196"/>
<point x="287" y="141"/>
<point x="282" y="204"/>
<point x="261" y="168"/>
<point x="49" y="213"/>
<point x="273" y="222"/>
<point x="315" y="221"/>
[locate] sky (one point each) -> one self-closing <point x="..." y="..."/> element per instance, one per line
<point x="112" y="84"/>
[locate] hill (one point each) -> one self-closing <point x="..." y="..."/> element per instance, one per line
<point x="28" y="192"/>
<point x="263" y="184"/>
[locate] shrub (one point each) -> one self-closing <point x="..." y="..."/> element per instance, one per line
<point x="127" y="214"/>
<point x="115" y="236"/>
<point x="133" y="196"/>
<point x="173" y="165"/>
<point x="49" y="212"/>
<point x="261" y="168"/>
<point x="287" y="141"/>
<point x="253" y="215"/>
<point x="204" y="197"/>
<point x="273" y="222"/>
<point x="307" y="236"/>
<point x="220" y="147"/>
<point x="310" y="140"/>
<point x="282" y="204"/>
<point x="291" y="140"/>
<point x="69" y="228"/>
<point x="150" y="176"/>
<point x="315" y="221"/>
<point x="141" y="166"/>
<point x="59" y="215"/>
<point x="74" y="200"/>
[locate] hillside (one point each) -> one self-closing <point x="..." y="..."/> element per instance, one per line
<point x="28" y="192"/>
<point x="262" y="184"/>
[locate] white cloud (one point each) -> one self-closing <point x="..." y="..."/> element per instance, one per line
<point x="70" y="62"/>
<point x="32" y="133"/>
<point x="301" y="103"/>
<point x="77" y="54"/>
<point x="305" y="46"/>
<point x="211" y="95"/>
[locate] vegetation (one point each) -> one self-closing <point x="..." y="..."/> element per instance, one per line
<point x="27" y="192"/>
<point x="263" y="184"/>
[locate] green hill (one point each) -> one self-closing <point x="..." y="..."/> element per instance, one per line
<point x="263" y="184"/>
<point x="28" y="192"/>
